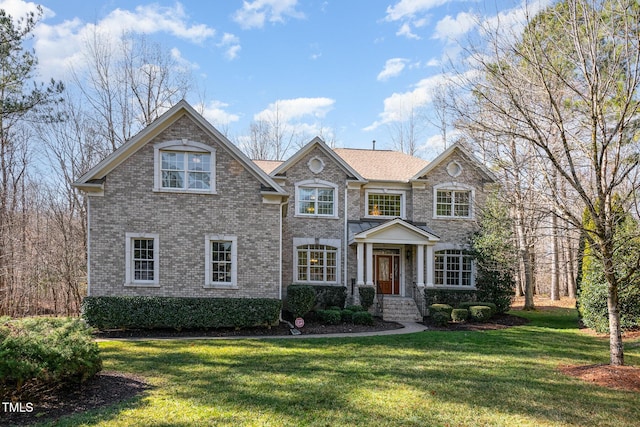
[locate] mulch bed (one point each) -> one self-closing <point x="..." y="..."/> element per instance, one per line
<point x="619" y="377"/>
<point x="498" y="321"/>
<point x="104" y="389"/>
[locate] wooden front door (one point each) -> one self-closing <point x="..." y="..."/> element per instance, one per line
<point x="388" y="274"/>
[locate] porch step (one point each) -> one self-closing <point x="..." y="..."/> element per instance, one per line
<point x="400" y="309"/>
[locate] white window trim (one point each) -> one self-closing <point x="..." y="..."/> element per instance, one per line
<point x="316" y="183"/>
<point x="451" y="186"/>
<point x="303" y="241"/>
<point x="208" y="283"/>
<point x="188" y="147"/>
<point x="449" y="247"/>
<point x="128" y="256"/>
<point x="403" y="203"/>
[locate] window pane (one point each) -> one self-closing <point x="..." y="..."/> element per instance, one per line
<point x="143" y="259"/>
<point x="385" y="204"/>
<point x="462" y="203"/>
<point x="443" y="203"/>
<point x="172" y="179"/>
<point x="200" y="180"/>
<point x="172" y="161"/>
<point x="199" y="162"/>
<point x="317" y="263"/>
<point x="221" y="261"/>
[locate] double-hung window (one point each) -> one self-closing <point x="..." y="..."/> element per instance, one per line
<point x="142" y="261"/>
<point x="184" y="166"/>
<point x="316" y="198"/>
<point x="221" y="261"/>
<point x="317" y="263"/>
<point x="453" y="268"/>
<point x="453" y="202"/>
<point x="386" y="204"/>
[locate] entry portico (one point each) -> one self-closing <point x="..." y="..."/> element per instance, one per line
<point x="383" y="247"/>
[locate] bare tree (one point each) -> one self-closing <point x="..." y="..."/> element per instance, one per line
<point x="568" y="88"/>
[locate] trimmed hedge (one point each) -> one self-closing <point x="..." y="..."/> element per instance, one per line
<point x="362" y="318"/>
<point x="444" y="308"/>
<point x="328" y="296"/>
<point x="300" y="299"/>
<point x="179" y="313"/>
<point x="480" y="313"/>
<point x="491" y="305"/>
<point x="459" y="314"/>
<point x="367" y="294"/>
<point x="49" y="350"/>
<point x="330" y="317"/>
<point x="453" y="297"/>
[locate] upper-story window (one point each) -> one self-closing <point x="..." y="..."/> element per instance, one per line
<point x="454" y="201"/>
<point x="316" y="198"/>
<point x="385" y="204"/>
<point x="184" y="166"/>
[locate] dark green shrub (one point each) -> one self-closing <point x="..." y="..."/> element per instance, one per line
<point x="440" y="318"/>
<point x="355" y="308"/>
<point x="444" y="308"/>
<point x="347" y="315"/>
<point x="496" y="286"/>
<point x="480" y="313"/>
<point x="592" y="300"/>
<point x="179" y="313"/>
<point x="491" y="305"/>
<point x="453" y="297"/>
<point x="362" y="318"/>
<point x="300" y="299"/>
<point x="49" y="350"/>
<point x="367" y="294"/>
<point x="330" y="317"/>
<point x="334" y="307"/>
<point x="459" y="314"/>
<point x="330" y="296"/>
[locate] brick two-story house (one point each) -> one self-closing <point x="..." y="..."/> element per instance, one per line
<point x="180" y="211"/>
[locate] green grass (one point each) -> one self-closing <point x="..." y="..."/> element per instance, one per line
<point x="494" y="378"/>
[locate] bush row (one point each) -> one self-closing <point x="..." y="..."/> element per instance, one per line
<point x="301" y="299"/>
<point x="352" y="314"/>
<point x="441" y="314"/>
<point x="179" y="313"/>
<point x="49" y="350"/>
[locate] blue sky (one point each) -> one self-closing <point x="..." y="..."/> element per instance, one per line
<point x="351" y="69"/>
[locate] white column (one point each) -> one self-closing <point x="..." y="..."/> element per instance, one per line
<point x="430" y="265"/>
<point x="420" y="266"/>
<point x="369" y="256"/>
<point x="360" y="267"/>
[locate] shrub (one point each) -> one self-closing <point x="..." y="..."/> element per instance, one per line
<point x="496" y="286"/>
<point x="300" y="299"/>
<point x="347" y="315"/>
<point x="491" y="305"/>
<point x="330" y="317"/>
<point x="49" y="350"/>
<point x="330" y="296"/>
<point x="440" y="318"/>
<point x="592" y="300"/>
<point x="355" y="308"/>
<point x="179" y="313"/>
<point x="453" y="297"/>
<point x="444" y="308"/>
<point x="367" y="294"/>
<point x="362" y="318"/>
<point x="480" y="313"/>
<point x="459" y="314"/>
<point x="334" y="307"/>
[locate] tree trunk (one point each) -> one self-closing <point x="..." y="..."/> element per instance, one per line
<point x="555" y="261"/>
<point x="616" y="349"/>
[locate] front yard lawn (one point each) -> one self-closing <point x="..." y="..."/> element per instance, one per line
<point x="507" y="377"/>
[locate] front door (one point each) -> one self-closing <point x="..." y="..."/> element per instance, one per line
<point x="388" y="274"/>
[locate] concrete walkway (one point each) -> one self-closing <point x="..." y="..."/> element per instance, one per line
<point x="407" y="328"/>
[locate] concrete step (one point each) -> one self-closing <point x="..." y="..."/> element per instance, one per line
<point x="400" y="309"/>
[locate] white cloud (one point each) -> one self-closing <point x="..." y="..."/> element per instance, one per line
<point x="254" y="14"/>
<point x="451" y="29"/>
<point x="392" y="68"/>
<point x="399" y="105"/>
<point x="289" y="110"/>
<point x="62" y="45"/>
<point x="513" y="21"/>
<point x="19" y="8"/>
<point x="405" y="30"/>
<point x="407" y="9"/>
<point x="214" y="112"/>
<point x="232" y="45"/>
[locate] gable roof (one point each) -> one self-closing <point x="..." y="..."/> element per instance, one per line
<point x="90" y="180"/>
<point x="448" y="152"/>
<point x="268" y="165"/>
<point x="396" y="231"/>
<point x="317" y="142"/>
<point x="382" y="165"/>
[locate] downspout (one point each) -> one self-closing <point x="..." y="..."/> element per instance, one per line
<point x="280" y="256"/>
<point x="88" y="245"/>
<point x="346" y="236"/>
